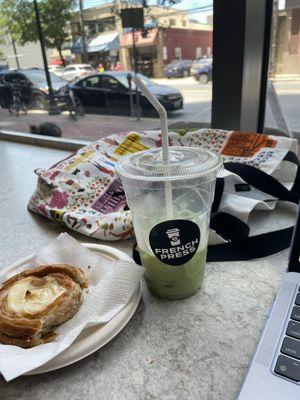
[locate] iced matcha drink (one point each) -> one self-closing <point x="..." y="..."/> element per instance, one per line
<point x="174" y="282"/>
<point x="170" y="206"/>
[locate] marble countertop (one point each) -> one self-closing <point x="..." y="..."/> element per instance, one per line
<point x="197" y="348"/>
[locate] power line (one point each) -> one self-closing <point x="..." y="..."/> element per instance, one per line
<point x="175" y="12"/>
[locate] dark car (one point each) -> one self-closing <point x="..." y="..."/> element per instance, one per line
<point x="33" y="86"/>
<point x="178" y="69"/>
<point x="110" y="91"/>
<point x="201" y="70"/>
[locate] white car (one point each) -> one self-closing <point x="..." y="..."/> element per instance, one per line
<point x="56" y="69"/>
<point x="74" y="71"/>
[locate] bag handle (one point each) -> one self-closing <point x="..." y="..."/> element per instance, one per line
<point x="241" y="246"/>
<point x="257" y="246"/>
<point x="262" y="181"/>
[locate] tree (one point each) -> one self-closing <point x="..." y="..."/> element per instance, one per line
<point x="18" y="17"/>
<point x="2" y="56"/>
<point x="56" y="17"/>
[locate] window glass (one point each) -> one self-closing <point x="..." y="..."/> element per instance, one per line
<point x="171" y="54"/>
<point x="69" y="69"/>
<point x="198" y="52"/>
<point x="38" y="77"/>
<point x="146" y="81"/>
<point x="283" y="91"/>
<point x="92" y="81"/>
<point x="14" y="78"/>
<point x="109" y="83"/>
<point x="178" y="52"/>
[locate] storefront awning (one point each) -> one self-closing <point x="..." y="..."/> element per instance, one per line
<point x="140" y="41"/>
<point x="105" y="42"/>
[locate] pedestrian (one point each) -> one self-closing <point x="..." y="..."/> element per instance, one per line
<point x="119" y="67"/>
<point x="100" y="68"/>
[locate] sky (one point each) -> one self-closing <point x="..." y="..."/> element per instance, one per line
<point x="183" y="5"/>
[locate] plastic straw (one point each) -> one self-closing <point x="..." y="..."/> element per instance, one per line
<point x="164" y="134"/>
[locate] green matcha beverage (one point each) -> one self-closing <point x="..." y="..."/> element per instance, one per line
<point x="170" y="206"/>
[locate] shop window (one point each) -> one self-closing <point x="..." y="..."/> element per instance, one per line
<point x="178" y="53"/>
<point x="198" y="52"/>
<point x="92" y="29"/>
<point x="106" y="24"/>
<point x="165" y="53"/>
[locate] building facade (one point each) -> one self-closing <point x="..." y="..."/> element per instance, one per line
<point x="169" y="35"/>
<point x="27" y="56"/>
<point x="165" y="38"/>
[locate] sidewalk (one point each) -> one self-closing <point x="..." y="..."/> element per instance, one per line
<point x="286" y="78"/>
<point x="90" y="127"/>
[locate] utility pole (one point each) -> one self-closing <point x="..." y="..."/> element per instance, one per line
<point x="274" y="39"/>
<point x="135" y="68"/>
<point x="53" y="109"/>
<point x="83" y="38"/>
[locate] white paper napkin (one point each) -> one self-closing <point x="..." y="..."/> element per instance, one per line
<point x="111" y="285"/>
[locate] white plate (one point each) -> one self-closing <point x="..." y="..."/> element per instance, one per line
<point x="93" y="338"/>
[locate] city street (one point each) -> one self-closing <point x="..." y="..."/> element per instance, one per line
<point x="197" y="109"/>
<point x="197" y="100"/>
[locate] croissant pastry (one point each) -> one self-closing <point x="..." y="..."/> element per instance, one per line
<point x="37" y="300"/>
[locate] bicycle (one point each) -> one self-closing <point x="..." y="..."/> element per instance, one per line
<point x="68" y="102"/>
<point x="17" y="103"/>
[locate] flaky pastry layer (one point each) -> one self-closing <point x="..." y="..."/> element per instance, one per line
<point x="37" y="300"/>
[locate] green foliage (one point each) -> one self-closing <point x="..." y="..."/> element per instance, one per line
<point x="2" y="56"/>
<point x="56" y="16"/>
<point x="18" y="18"/>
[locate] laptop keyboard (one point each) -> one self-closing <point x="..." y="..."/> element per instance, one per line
<point x="289" y="367"/>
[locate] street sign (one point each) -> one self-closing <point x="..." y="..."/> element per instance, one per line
<point x="132" y="18"/>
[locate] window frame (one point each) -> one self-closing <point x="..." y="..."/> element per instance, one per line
<point x="241" y="34"/>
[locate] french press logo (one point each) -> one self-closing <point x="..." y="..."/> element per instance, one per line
<point x="173" y="235"/>
<point x="175" y="242"/>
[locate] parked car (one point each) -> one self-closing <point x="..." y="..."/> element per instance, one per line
<point x="178" y="69"/>
<point x="56" y="69"/>
<point x="33" y="86"/>
<point x="110" y="90"/>
<point x="76" y="71"/>
<point x="201" y="70"/>
<point x="3" y="67"/>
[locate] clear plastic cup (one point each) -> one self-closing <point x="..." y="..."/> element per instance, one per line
<point x="171" y="231"/>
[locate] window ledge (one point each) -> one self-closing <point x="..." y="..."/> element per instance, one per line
<point x="41" y="140"/>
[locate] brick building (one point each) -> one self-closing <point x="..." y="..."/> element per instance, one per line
<point x="163" y="45"/>
<point x="186" y="44"/>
